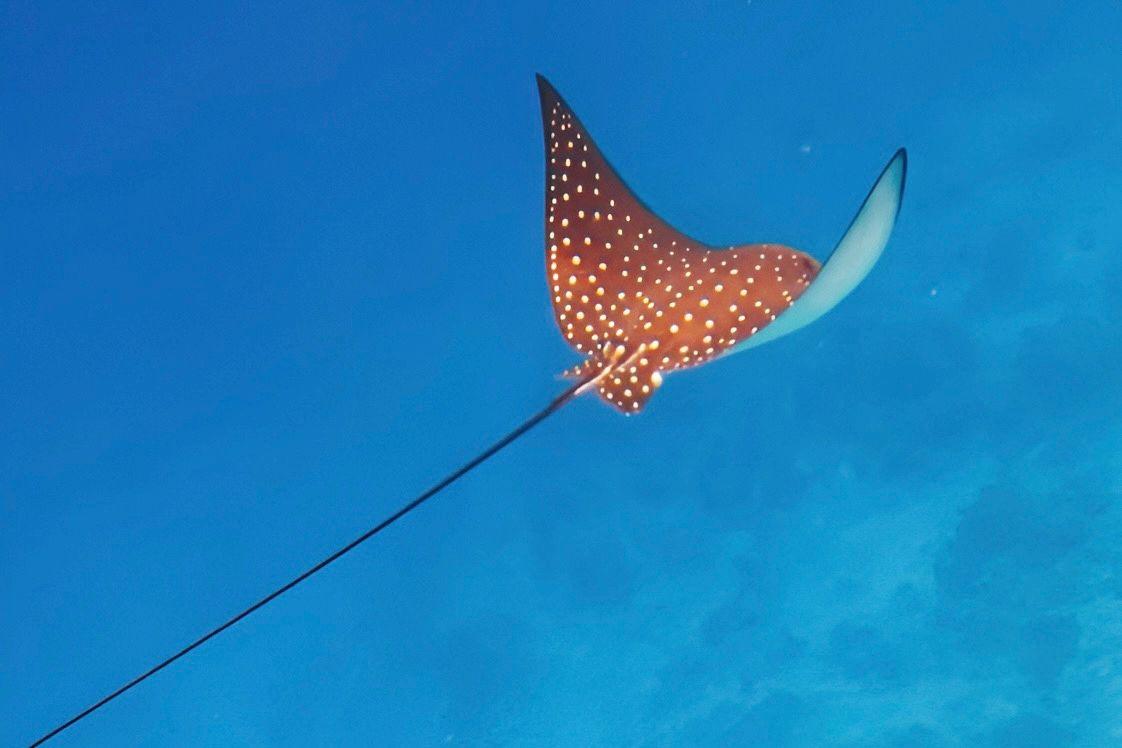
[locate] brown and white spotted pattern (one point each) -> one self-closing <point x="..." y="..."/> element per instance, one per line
<point x="636" y="296"/>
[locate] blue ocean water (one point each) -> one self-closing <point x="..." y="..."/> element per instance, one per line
<point x="267" y="272"/>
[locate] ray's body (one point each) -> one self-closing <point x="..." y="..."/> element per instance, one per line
<point x="631" y="292"/>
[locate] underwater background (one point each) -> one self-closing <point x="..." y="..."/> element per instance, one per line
<point x="266" y="273"/>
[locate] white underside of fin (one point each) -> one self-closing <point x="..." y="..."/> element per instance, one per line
<point x="852" y="259"/>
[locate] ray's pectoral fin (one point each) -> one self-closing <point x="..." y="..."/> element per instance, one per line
<point x="853" y="257"/>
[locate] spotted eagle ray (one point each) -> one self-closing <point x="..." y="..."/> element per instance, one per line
<point x="640" y="299"/>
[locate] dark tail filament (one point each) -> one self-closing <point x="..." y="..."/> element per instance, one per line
<point x="534" y="420"/>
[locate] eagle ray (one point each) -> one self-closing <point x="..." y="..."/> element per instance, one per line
<point x="639" y="299"/>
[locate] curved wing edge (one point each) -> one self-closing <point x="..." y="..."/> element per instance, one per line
<point x="852" y="259"/>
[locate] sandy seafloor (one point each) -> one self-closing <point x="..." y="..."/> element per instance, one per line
<point x="265" y="274"/>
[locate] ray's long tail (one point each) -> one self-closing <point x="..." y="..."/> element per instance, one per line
<point x="475" y="462"/>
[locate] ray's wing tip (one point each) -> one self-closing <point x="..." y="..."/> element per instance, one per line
<point x="545" y="88"/>
<point x="891" y="181"/>
<point x="897" y="166"/>
<point x="899" y="161"/>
